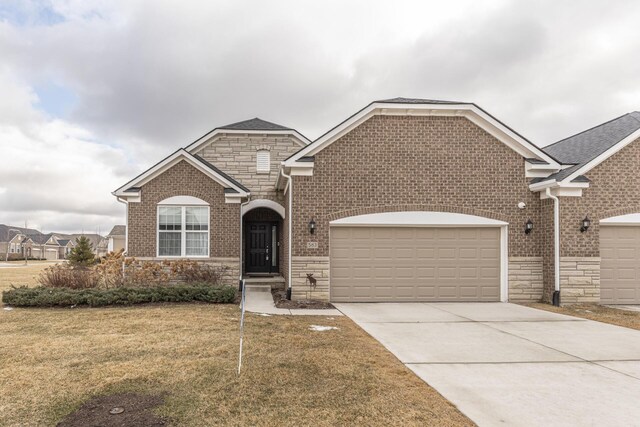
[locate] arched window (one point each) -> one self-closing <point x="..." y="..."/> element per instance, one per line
<point x="183" y="227"/>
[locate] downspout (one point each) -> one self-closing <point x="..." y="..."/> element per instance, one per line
<point x="242" y="205"/>
<point x="556" y="247"/>
<point x="290" y="222"/>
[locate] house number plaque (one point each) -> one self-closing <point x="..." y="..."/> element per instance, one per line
<point x="312" y="245"/>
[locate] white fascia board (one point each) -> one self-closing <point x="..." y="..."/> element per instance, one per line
<point x="470" y="111"/>
<point x="552" y="183"/>
<point x="626" y="220"/>
<point x="195" y="146"/>
<point x="169" y="162"/>
<point x="602" y="157"/>
<point x="417" y="219"/>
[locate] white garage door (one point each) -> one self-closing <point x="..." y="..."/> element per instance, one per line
<point x="51" y="254"/>
<point x="620" y="264"/>
<point x="414" y="263"/>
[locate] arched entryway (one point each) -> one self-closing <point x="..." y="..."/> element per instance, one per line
<point x="262" y="237"/>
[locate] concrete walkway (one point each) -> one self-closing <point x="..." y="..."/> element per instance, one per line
<point x="259" y="300"/>
<point x="505" y="364"/>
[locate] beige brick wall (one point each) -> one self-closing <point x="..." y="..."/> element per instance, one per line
<point x="319" y="267"/>
<point x="183" y="179"/>
<point x="392" y="163"/>
<point x="579" y="280"/>
<point x="235" y="154"/>
<point x="613" y="191"/>
<point x="525" y="279"/>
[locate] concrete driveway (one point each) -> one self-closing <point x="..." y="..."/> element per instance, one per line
<point x="505" y="364"/>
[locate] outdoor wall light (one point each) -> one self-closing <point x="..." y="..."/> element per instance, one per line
<point x="312" y="226"/>
<point x="586" y="223"/>
<point x="528" y="227"/>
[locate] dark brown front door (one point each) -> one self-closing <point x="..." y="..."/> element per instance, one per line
<point x="261" y="247"/>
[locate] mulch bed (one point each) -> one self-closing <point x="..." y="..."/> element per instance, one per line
<point x="131" y="410"/>
<point x="281" y="301"/>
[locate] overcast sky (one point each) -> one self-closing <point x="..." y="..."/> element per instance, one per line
<point x="92" y="92"/>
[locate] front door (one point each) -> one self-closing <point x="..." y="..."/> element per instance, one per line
<point x="261" y="247"/>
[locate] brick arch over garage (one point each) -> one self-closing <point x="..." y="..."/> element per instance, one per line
<point x="618" y="212"/>
<point x="415" y="207"/>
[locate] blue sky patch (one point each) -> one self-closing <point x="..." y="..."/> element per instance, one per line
<point x="55" y="100"/>
<point x="29" y="13"/>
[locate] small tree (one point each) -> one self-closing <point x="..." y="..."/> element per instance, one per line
<point x="82" y="253"/>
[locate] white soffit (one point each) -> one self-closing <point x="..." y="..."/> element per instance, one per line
<point x="629" y="219"/>
<point x="418" y="219"/>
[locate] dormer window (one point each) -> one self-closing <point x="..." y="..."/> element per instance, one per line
<point x="263" y="161"/>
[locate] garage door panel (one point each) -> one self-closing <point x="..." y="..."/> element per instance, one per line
<point x="620" y="265"/>
<point x="409" y="264"/>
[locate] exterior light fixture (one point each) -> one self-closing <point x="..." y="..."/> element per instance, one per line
<point x="528" y="227"/>
<point x="312" y="226"/>
<point x="586" y="223"/>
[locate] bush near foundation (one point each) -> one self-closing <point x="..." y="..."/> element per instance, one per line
<point x="66" y="297"/>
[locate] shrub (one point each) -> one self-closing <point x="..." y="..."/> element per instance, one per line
<point x="114" y="271"/>
<point x="67" y="276"/>
<point x="195" y="272"/>
<point x="65" y="297"/>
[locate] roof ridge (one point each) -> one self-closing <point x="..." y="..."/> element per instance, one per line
<point x="587" y="130"/>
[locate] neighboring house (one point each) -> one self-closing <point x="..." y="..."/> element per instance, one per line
<point x="16" y="242"/>
<point x="98" y="242"/>
<point x="66" y="245"/>
<point x="406" y="200"/>
<point x="117" y="238"/>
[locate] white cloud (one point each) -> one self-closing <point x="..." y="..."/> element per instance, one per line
<point x="150" y="77"/>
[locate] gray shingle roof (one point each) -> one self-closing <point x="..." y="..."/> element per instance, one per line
<point x="401" y="100"/>
<point x="589" y="144"/>
<point x="118" y="230"/>
<point x="254" y="124"/>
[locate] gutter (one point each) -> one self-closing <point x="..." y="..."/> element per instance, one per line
<point x="126" y="226"/>
<point x="556" y="247"/>
<point x="290" y="222"/>
<point x="242" y="205"/>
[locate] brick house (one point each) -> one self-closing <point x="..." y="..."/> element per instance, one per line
<point x="406" y="200"/>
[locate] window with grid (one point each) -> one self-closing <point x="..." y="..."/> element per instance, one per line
<point x="263" y="161"/>
<point x="183" y="231"/>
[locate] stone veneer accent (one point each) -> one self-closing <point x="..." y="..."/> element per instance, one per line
<point x="579" y="280"/>
<point x="235" y="154"/>
<point x="319" y="266"/>
<point x="525" y="279"/>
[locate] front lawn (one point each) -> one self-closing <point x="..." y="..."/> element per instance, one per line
<point x="600" y="313"/>
<point x="52" y="360"/>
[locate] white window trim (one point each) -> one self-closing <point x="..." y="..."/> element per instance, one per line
<point x="183" y="232"/>
<point x="268" y="168"/>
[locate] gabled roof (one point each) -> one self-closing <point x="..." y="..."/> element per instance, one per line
<point x="255" y="124"/>
<point x="118" y="230"/>
<point x="589" y="148"/>
<point x="198" y="162"/>
<point x="588" y="144"/>
<point x="8" y="232"/>
<point x="420" y="106"/>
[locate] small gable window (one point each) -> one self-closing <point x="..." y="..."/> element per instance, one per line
<point x="263" y="161"/>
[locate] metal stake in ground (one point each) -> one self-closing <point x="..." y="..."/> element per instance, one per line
<point x="242" y="305"/>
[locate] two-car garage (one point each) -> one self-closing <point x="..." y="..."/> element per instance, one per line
<point x="417" y="256"/>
